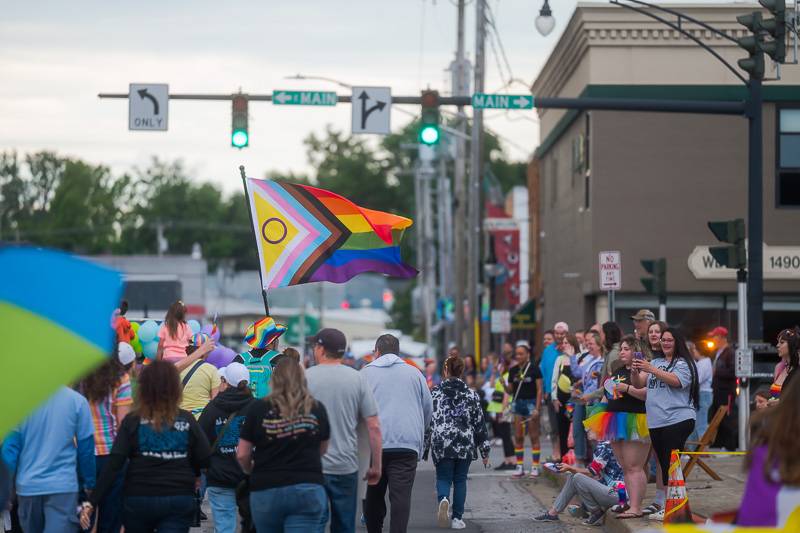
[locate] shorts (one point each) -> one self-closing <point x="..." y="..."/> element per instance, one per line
<point x="523" y="408"/>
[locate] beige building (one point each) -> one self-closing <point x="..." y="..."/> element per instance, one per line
<point x="647" y="183"/>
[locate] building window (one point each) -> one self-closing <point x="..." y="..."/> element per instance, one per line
<point x="788" y="157"/>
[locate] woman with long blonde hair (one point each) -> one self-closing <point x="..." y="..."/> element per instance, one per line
<point x="289" y="430"/>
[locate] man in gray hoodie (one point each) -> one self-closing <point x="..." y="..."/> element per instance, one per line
<point x="404" y="410"/>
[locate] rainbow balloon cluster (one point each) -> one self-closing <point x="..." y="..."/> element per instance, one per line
<point x="145" y="341"/>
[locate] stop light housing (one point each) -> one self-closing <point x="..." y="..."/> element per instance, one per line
<point x="776" y="28"/>
<point x="240" y="137"/>
<point x="657" y="284"/>
<point x="754" y="64"/>
<point x="429" y="124"/>
<point x="732" y="232"/>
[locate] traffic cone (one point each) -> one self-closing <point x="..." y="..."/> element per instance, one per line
<point x="677" y="510"/>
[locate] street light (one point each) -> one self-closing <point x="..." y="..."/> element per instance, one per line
<point x="545" y="22"/>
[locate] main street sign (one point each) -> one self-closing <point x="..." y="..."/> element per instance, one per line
<point x="318" y="98"/>
<point x="502" y="101"/>
<point x="147" y="106"/>
<point x="780" y="262"/>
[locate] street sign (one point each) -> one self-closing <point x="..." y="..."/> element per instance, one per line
<point x="500" y="224"/>
<point x="780" y="262"/>
<point x="502" y="101"/>
<point x="318" y="98"/>
<point x="298" y="329"/>
<point x="372" y="110"/>
<point x="148" y="106"/>
<point x="500" y="321"/>
<point x="744" y="362"/>
<point x="610" y="271"/>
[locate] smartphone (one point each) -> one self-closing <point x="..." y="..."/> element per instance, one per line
<point x="638" y="355"/>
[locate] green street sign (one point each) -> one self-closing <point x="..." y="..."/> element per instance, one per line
<point x="502" y="101"/>
<point x="295" y="333"/>
<point x="304" y="98"/>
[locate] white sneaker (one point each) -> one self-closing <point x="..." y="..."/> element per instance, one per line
<point x="443" y="516"/>
<point x="457" y="523"/>
<point x="659" y="516"/>
<point x="534" y="471"/>
<point x="518" y="472"/>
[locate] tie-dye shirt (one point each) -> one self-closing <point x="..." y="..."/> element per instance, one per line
<point x="103" y="418"/>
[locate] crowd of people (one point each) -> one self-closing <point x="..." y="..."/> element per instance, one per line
<point x="274" y="446"/>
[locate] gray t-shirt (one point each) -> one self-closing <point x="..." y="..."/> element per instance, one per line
<point x="669" y="405"/>
<point x="348" y="398"/>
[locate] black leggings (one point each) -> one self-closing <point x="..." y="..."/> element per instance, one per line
<point x="563" y="430"/>
<point x="502" y="430"/>
<point x="668" y="438"/>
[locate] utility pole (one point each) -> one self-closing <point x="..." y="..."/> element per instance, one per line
<point x="475" y="172"/>
<point x="460" y="89"/>
<point x="755" y="215"/>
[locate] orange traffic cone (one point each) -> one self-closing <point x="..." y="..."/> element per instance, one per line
<point x="677" y="510"/>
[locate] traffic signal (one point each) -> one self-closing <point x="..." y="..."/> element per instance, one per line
<point x="239" y="135"/>
<point x="776" y="28"/>
<point x="657" y="284"/>
<point x="730" y="231"/>
<point x="753" y="65"/>
<point x="429" y="125"/>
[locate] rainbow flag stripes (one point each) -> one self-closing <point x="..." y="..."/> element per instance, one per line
<point x="306" y="234"/>
<point x="55" y="323"/>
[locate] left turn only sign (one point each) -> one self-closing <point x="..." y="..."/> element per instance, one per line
<point x="148" y="106"/>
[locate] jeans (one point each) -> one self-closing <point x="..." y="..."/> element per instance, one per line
<point x="109" y="519"/>
<point x="223" y="508"/>
<point x="165" y="514"/>
<point x="341" y="490"/>
<point x="290" y="509"/>
<point x="593" y="495"/>
<point x="49" y="513"/>
<point x="453" y="472"/>
<point x="579" y="432"/>
<point x="701" y="425"/>
<point x="399" y="470"/>
<point x="668" y="438"/>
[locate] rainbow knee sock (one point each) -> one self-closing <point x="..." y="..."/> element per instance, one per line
<point x="536" y="454"/>
<point x="520" y="453"/>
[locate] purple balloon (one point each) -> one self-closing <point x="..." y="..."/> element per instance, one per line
<point x="207" y="330"/>
<point x="221" y="357"/>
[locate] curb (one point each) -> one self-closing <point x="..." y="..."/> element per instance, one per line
<point x="611" y="524"/>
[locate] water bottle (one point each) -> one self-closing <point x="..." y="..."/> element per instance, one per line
<point x="621" y="493"/>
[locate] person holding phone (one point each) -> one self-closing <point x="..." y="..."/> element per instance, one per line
<point x="621" y="420"/>
<point x="595" y="486"/>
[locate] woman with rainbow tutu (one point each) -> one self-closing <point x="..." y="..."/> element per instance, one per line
<point x="621" y="419"/>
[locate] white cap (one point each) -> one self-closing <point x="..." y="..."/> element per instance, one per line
<point x="235" y="373"/>
<point x="561" y="326"/>
<point x="125" y="353"/>
<point x="523" y="344"/>
<point x="221" y="372"/>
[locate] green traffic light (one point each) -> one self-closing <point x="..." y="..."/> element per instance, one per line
<point x="429" y="135"/>
<point x="239" y="139"/>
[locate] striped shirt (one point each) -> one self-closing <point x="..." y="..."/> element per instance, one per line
<point x="103" y="419"/>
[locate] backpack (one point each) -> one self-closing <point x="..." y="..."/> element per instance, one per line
<point x="260" y="371"/>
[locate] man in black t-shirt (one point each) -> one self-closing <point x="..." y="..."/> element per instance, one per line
<point x="525" y="388"/>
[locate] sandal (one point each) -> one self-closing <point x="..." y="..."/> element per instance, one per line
<point x="626" y="515"/>
<point x="620" y="508"/>
<point x="653" y="508"/>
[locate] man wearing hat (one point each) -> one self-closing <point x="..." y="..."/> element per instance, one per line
<point x="723" y="385"/>
<point x="262" y="337"/>
<point x="348" y="399"/>
<point x="641" y="322"/>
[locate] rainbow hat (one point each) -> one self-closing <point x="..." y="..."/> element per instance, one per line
<point x="261" y="333"/>
<point x="198" y="339"/>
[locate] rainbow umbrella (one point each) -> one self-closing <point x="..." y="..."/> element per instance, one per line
<point x="55" y="324"/>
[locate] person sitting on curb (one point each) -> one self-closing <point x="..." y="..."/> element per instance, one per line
<point x="595" y="487"/>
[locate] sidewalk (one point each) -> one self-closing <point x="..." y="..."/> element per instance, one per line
<point x="706" y="496"/>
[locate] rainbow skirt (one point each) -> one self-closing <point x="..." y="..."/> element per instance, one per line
<point x="606" y="425"/>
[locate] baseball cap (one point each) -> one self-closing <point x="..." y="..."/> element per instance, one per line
<point x="718" y="331"/>
<point x="235" y="373"/>
<point x="125" y="353"/>
<point x="561" y="326"/>
<point x="261" y="333"/>
<point x="524" y="344"/>
<point x="644" y="314"/>
<point x="331" y="339"/>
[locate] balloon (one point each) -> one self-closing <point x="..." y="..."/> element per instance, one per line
<point x="136" y="344"/>
<point x="194" y="325"/>
<point x="148" y="331"/>
<point x="149" y="349"/>
<point x="135" y="326"/>
<point x="221" y="357"/>
<point x="208" y="329"/>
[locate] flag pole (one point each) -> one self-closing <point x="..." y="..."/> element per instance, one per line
<point x="252" y="225"/>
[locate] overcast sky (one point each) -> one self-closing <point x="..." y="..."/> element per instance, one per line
<point x="55" y="57"/>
